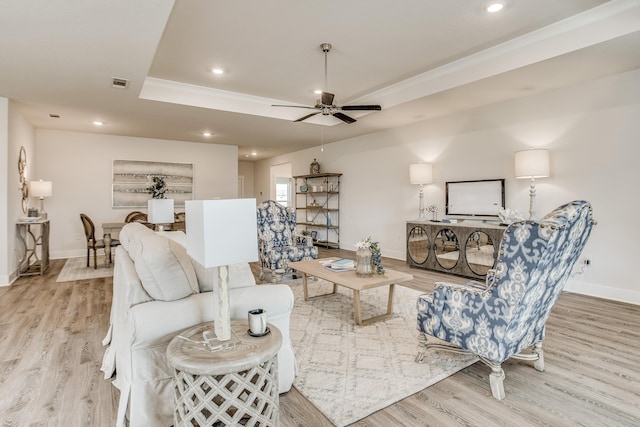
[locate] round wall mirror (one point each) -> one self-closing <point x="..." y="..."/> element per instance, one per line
<point x="479" y="251"/>
<point x="447" y="248"/>
<point x="418" y="245"/>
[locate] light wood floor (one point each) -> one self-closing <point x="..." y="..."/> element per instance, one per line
<point x="50" y="356"/>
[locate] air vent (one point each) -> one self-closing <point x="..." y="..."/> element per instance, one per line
<point x="120" y="83"/>
<point x="54" y="116"/>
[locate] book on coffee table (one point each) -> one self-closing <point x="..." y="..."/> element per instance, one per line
<point x="341" y="265"/>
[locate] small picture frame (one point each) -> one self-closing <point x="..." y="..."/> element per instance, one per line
<point x="314" y="235"/>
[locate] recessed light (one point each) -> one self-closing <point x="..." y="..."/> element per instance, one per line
<point x="494" y="7"/>
<point x="317" y="91"/>
<point x="217" y="71"/>
<point x="98" y="122"/>
<point x="254" y="153"/>
<point x="246" y="155"/>
<point x="206" y="133"/>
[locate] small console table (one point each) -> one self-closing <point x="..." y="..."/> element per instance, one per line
<point x="234" y="386"/>
<point x="466" y="249"/>
<point x="33" y="261"/>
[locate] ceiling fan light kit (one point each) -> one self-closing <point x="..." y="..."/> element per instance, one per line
<point x="325" y="105"/>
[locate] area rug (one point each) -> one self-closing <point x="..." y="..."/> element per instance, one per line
<point x="76" y="269"/>
<point x="349" y="372"/>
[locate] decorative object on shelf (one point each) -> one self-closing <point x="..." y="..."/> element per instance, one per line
<point x="314" y="167"/>
<point x="22" y="172"/>
<point x="221" y="233"/>
<point x="508" y="215"/>
<point x="304" y="188"/>
<point x="160" y="212"/>
<point x="158" y="188"/>
<point x="421" y="174"/>
<point x="434" y="212"/>
<point x="532" y="164"/>
<point x="368" y="258"/>
<point x="41" y="189"/>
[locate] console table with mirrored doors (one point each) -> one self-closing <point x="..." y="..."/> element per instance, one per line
<point x="466" y="249"/>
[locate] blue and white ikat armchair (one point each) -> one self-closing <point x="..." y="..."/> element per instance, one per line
<point x="278" y="242"/>
<point x="499" y="319"/>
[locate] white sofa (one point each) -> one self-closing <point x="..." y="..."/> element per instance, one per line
<point x="157" y="293"/>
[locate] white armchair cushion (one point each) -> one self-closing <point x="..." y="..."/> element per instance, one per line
<point x="165" y="269"/>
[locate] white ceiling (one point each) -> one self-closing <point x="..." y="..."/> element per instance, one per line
<point x="417" y="58"/>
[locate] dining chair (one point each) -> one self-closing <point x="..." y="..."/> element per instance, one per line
<point x="93" y="243"/>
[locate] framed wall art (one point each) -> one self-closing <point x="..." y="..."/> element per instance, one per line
<point x="135" y="182"/>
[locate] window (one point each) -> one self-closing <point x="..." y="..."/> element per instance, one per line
<point x="283" y="191"/>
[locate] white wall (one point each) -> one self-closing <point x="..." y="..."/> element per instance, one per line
<point x="4" y="188"/>
<point x="246" y="169"/>
<point x="592" y="130"/>
<point x="15" y="132"/>
<point x="80" y="167"/>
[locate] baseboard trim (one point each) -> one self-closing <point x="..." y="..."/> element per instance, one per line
<point x="606" y="292"/>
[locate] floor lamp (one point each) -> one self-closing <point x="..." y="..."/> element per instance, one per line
<point x="221" y="233"/>
<point x="532" y="164"/>
<point x="421" y="174"/>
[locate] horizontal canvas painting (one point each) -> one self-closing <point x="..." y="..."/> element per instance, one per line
<point x="134" y="182"/>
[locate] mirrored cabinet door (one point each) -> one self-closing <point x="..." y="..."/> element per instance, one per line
<point x="480" y="253"/>
<point x="418" y="245"/>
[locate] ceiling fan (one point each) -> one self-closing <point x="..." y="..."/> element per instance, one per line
<point x="325" y="105"/>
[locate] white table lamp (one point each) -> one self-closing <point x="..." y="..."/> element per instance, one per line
<point x="220" y="233"/>
<point x="532" y="164"/>
<point x="421" y="173"/>
<point x="41" y="189"/>
<point x="160" y="212"/>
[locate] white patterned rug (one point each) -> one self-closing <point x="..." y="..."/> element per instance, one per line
<point x="76" y="269"/>
<point x="349" y="372"/>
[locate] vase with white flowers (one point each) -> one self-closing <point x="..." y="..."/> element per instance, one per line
<point x="368" y="258"/>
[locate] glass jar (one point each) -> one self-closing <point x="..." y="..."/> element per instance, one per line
<point x="363" y="262"/>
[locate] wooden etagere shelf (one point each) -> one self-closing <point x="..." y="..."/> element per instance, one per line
<point x="318" y="207"/>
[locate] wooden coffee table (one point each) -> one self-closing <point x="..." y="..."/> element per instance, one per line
<point x="348" y="279"/>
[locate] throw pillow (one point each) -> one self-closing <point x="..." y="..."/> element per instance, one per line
<point x="240" y="276"/>
<point x="131" y="234"/>
<point x="165" y="269"/>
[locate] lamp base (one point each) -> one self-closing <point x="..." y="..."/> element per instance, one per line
<point x="214" y="344"/>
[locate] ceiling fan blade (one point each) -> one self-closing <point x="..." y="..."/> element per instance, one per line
<point x="361" y="108"/>
<point x="327" y="98"/>
<point x="294" y="106"/>
<point x="306" y="117"/>
<point x="344" y="117"/>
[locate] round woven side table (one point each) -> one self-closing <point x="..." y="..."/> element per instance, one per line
<point x="234" y="386"/>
